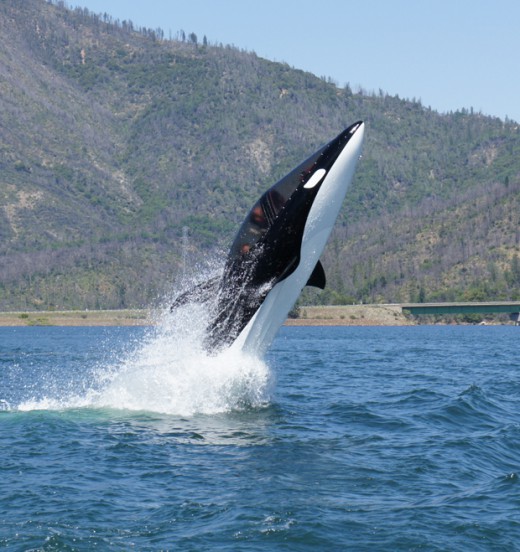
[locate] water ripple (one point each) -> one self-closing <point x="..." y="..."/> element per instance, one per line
<point x="343" y="439"/>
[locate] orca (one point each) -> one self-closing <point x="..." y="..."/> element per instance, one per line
<point x="276" y="251"/>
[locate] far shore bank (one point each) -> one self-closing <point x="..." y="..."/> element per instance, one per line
<point x="349" y="315"/>
<point x="77" y="318"/>
<point x="334" y="315"/>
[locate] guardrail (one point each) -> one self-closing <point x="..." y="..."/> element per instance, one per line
<point x="511" y="307"/>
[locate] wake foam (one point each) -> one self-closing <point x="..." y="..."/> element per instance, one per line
<point x="170" y="373"/>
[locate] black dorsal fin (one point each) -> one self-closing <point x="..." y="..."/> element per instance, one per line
<point x="317" y="278"/>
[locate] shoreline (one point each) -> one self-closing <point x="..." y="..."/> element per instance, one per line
<point x="330" y="315"/>
<point x="130" y="317"/>
<point x="349" y="315"/>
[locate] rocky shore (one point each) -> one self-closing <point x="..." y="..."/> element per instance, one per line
<point x="351" y="315"/>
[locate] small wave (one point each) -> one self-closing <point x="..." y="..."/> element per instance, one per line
<point x="473" y="390"/>
<point x="4" y="405"/>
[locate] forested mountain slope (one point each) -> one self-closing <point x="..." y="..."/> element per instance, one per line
<point x="112" y="140"/>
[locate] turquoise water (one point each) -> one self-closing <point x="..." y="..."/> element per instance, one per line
<point x="343" y="439"/>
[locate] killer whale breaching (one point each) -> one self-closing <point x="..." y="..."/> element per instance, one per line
<point x="276" y="251"/>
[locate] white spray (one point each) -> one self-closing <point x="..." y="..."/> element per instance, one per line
<point x="169" y="372"/>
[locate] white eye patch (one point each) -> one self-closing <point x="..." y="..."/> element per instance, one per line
<point x="316" y="178"/>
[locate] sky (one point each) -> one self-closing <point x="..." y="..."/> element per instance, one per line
<point x="450" y="54"/>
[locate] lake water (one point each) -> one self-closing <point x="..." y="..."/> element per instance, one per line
<point x="342" y="439"/>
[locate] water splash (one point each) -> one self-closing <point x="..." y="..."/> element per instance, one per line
<point x="172" y="374"/>
<point x="169" y="372"/>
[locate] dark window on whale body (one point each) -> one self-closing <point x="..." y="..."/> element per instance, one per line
<point x="265" y="210"/>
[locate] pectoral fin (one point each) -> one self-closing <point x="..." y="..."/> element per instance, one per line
<point x="317" y="278"/>
<point x="200" y="293"/>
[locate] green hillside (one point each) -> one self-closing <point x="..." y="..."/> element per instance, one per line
<point x="113" y="140"/>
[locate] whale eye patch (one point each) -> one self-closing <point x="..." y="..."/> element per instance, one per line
<point x="316" y="178"/>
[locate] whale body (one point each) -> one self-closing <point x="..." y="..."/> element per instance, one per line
<point x="276" y="251"/>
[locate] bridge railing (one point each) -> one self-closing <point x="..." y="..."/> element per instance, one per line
<point x="510" y="307"/>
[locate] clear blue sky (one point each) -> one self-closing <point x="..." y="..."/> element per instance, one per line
<point x="448" y="53"/>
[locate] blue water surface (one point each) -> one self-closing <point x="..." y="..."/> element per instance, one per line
<point x="370" y="439"/>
